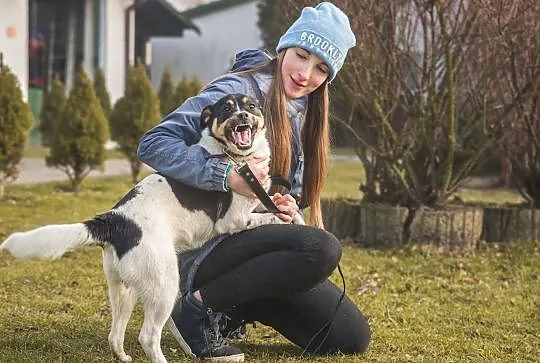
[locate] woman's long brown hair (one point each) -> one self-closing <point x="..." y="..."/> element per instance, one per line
<point x="315" y="138"/>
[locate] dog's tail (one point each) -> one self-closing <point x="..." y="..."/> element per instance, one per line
<point x="48" y="242"/>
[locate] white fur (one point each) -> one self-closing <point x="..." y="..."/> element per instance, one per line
<point x="22" y="244"/>
<point x="148" y="271"/>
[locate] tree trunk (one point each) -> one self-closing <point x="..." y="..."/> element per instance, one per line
<point x="136" y="167"/>
<point x="2" y="184"/>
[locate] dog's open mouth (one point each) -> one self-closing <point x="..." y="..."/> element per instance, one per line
<point x="242" y="136"/>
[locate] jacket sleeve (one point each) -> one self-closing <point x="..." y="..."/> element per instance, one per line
<point x="170" y="148"/>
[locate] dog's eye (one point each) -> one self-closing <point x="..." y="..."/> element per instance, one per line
<point x="252" y="106"/>
<point x="227" y="108"/>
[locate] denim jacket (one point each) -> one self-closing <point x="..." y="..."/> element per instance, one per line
<point x="170" y="146"/>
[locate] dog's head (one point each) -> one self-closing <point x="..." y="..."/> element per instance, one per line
<point x="236" y="121"/>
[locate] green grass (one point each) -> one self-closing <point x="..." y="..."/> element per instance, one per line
<point x="422" y="306"/>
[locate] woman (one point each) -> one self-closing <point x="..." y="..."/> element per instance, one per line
<point x="276" y="274"/>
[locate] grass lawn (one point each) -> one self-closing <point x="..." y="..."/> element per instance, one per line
<point x="422" y="306"/>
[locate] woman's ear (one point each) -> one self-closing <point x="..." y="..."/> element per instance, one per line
<point x="206" y="114"/>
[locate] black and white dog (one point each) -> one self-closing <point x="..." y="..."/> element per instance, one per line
<point x="159" y="216"/>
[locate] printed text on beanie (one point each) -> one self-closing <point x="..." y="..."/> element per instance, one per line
<point x="324" y="31"/>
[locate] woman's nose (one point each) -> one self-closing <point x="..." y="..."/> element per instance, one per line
<point x="304" y="72"/>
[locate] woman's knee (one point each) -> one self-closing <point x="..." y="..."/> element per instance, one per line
<point x="351" y="335"/>
<point x="322" y="249"/>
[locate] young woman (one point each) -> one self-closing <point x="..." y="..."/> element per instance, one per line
<point x="276" y="274"/>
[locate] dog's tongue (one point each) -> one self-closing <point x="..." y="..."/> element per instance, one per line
<point x="242" y="138"/>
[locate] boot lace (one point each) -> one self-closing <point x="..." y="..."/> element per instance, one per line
<point x="218" y="323"/>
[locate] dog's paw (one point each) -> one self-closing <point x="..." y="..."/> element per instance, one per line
<point x="261" y="219"/>
<point x="124" y="358"/>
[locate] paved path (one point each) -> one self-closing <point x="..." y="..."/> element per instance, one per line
<point x="34" y="170"/>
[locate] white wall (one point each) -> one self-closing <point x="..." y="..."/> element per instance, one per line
<point x="89" y="41"/>
<point x="14" y="39"/>
<point x="114" y="57"/>
<point x="209" y="55"/>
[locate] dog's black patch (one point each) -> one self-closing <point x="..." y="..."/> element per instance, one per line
<point x="120" y="232"/>
<point x="214" y="204"/>
<point x="129" y="196"/>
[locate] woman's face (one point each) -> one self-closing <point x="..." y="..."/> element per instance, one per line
<point x="302" y="72"/>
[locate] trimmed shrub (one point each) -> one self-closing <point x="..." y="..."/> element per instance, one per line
<point x="182" y="91"/>
<point x="195" y="86"/>
<point x="133" y="115"/>
<point x="166" y="93"/>
<point x="80" y="134"/>
<point x="100" y="86"/>
<point x="15" y="121"/>
<point x="187" y="88"/>
<point x="53" y="103"/>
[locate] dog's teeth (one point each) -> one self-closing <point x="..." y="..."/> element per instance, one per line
<point x="242" y="138"/>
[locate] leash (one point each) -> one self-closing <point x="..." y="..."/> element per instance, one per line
<point x="247" y="174"/>
<point x="329" y="323"/>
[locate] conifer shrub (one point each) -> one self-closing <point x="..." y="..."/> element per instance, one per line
<point x="51" y="110"/>
<point x="195" y="86"/>
<point x="80" y="134"/>
<point x="100" y="86"/>
<point x="187" y="88"/>
<point x="166" y="93"/>
<point x="133" y="114"/>
<point x="15" y="121"/>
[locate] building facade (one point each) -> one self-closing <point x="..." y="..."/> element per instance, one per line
<point x="43" y="38"/>
<point x="227" y="27"/>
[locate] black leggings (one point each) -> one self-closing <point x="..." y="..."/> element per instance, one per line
<point x="278" y="275"/>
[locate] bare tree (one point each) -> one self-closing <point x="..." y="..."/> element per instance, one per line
<point x="514" y="28"/>
<point x="412" y="97"/>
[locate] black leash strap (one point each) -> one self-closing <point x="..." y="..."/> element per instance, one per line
<point x="246" y="173"/>
<point x="329" y="323"/>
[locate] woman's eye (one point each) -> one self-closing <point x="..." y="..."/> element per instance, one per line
<point x="301" y="55"/>
<point x="323" y="69"/>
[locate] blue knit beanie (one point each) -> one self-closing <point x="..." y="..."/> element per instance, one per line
<point x="324" y="31"/>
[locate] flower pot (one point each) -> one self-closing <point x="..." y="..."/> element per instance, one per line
<point x="379" y="225"/>
<point x="448" y="229"/>
<point x="503" y="224"/>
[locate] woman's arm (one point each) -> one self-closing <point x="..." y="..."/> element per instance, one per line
<point x="170" y="146"/>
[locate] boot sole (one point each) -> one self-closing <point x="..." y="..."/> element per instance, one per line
<point x="226" y="359"/>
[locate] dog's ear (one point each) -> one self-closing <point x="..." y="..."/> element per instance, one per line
<point x="205" y="116"/>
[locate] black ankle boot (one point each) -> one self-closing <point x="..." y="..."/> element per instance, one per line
<point x="197" y="329"/>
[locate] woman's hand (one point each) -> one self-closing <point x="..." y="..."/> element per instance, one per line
<point x="260" y="169"/>
<point x="287" y="205"/>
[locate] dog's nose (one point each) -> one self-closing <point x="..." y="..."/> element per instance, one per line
<point x="243" y="115"/>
